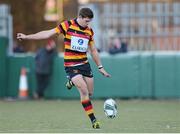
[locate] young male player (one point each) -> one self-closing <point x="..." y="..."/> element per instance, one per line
<point x="78" y="38"/>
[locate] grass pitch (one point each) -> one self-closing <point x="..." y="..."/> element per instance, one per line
<point x="62" y="116"/>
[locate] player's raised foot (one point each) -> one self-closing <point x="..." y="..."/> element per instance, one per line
<point x="96" y="125"/>
<point x="69" y="84"/>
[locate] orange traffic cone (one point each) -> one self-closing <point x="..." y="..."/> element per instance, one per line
<point x="23" y="86"/>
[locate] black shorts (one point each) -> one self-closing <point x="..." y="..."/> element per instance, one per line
<point x="84" y="70"/>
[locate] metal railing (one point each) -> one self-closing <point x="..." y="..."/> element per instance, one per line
<point x="145" y="26"/>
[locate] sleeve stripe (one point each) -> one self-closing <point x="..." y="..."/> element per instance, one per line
<point x="62" y="30"/>
<point x="66" y="25"/>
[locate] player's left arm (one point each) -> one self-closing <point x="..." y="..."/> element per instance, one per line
<point x="96" y="58"/>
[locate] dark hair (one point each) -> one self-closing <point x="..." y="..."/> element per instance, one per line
<point x="86" y="12"/>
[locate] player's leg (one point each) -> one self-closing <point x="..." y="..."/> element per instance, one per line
<point x="81" y="85"/>
<point x="90" y="84"/>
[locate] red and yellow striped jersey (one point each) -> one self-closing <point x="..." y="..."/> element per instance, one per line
<point x="76" y="42"/>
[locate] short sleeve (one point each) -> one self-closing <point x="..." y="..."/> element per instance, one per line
<point x="62" y="27"/>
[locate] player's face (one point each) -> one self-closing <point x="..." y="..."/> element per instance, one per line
<point x="86" y="21"/>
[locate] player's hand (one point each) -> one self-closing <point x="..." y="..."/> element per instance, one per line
<point x="21" y="36"/>
<point x="103" y="72"/>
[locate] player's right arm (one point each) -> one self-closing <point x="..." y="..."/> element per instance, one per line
<point x="37" y="36"/>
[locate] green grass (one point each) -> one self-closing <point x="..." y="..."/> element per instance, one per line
<point x="63" y="116"/>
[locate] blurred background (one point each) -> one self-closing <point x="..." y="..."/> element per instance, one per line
<point x="146" y="25"/>
<point x="144" y="33"/>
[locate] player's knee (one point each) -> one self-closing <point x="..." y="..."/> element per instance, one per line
<point x="81" y="87"/>
<point x="83" y="90"/>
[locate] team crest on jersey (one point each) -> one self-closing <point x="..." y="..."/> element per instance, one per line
<point x="80" y="42"/>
